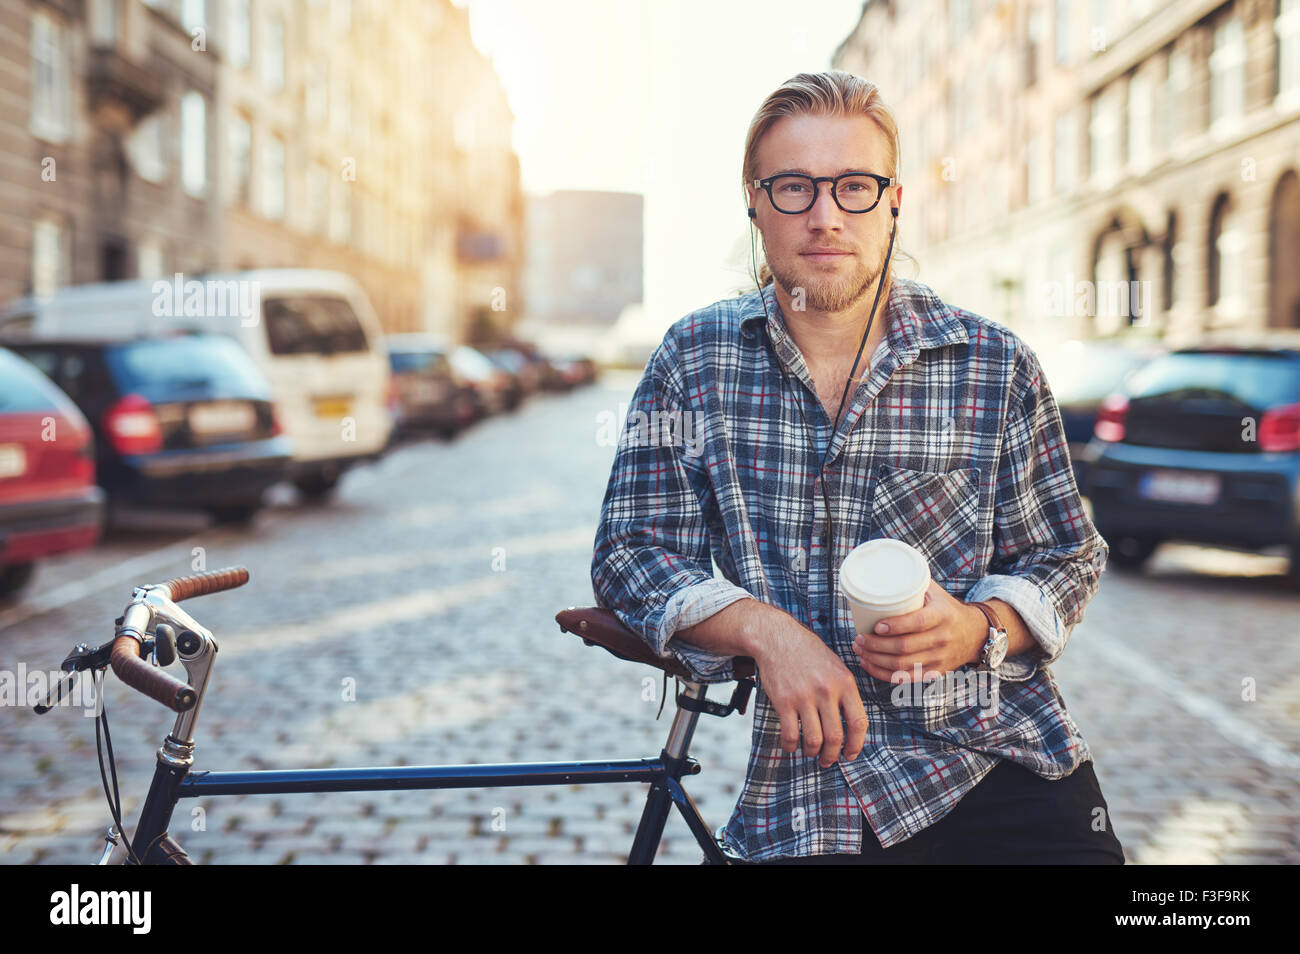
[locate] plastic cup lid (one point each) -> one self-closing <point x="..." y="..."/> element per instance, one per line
<point x="884" y="572"/>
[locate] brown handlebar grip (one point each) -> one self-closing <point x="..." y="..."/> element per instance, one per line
<point x="152" y="681"/>
<point x="200" y="584"/>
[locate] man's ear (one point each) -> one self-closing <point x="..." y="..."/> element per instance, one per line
<point x="898" y="198"/>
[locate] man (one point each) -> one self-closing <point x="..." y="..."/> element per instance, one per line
<point x="950" y="442"/>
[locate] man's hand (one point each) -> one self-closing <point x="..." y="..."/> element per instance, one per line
<point x="941" y="636"/>
<point x="807" y="683"/>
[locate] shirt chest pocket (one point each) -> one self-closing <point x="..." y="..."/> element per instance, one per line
<point x="938" y="513"/>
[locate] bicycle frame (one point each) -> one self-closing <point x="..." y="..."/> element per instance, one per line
<point x="174" y="778"/>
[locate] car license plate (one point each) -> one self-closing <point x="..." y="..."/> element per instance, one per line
<point x="13" y="460"/>
<point x="1176" y="486"/>
<point x="333" y="407"/>
<point x="222" y="418"/>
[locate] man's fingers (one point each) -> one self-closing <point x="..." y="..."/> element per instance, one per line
<point x="855" y="724"/>
<point x="812" y="731"/>
<point x="832" y="733"/>
<point x="789" y="720"/>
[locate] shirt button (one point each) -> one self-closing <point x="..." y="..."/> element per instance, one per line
<point x="820" y="617"/>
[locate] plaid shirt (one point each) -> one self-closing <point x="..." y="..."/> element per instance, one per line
<point x="953" y="444"/>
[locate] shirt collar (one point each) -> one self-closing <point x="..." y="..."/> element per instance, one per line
<point x="918" y="319"/>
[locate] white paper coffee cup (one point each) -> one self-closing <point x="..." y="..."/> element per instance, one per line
<point x="883" y="578"/>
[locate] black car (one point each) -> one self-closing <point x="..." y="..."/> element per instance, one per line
<point x="1082" y="374"/>
<point x="183" y="421"/>
<point x="429" y="396"/>
<point x="1203" y="446"/>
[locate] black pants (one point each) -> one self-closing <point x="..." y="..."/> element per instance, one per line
<point x="1011" y="817"/>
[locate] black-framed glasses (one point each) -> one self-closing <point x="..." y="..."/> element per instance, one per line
<point x="855" y="192"/>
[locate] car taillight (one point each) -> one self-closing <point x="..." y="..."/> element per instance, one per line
<point x="83" y="465"/>
<point x="132" y="426"/>
<point x="1279" y="428"/>
<point x="1110" y="419"/>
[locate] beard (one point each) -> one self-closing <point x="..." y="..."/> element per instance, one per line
<point x="825" y="291"/>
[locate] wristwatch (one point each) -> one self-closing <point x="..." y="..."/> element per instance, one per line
<point x="995" y="647"/>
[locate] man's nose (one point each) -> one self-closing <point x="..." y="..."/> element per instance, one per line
<point x="824" y="212"/>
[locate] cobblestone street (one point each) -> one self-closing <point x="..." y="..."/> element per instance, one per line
<point x="429" y="588"/>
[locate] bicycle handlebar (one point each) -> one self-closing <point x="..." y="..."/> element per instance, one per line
<point x="151" y="680"/>
<point x="144" y="677"/>
<point x="200" y="584"/>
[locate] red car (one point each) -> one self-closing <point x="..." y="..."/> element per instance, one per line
<point x="49" y="502"/>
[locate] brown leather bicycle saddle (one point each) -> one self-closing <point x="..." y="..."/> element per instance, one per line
<point x="601" y="627"/>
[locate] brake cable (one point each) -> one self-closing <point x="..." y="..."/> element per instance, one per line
<point x="115" y="798"/>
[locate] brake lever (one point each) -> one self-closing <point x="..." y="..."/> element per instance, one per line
<point x="82" y="658"/>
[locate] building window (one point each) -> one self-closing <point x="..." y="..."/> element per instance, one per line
<point x="341" y="105"/>
<point x="273" y="178"/>
<point x="317" y="101"/>
<point x="1175" y="96"/>
<point x="1067" y="153"/>
<point x="49" y="269"/>
<point x="1139" y="122"/>
<point x="101" y="18"/>
<point x="1036" y="169"/>
<point x="1227" y="74"/>
<point x="1103" y="138"/>
<point x="1226" y="266"/>
<point x="145" y="149"/>
<point x="1287" y="28"/>
<point x="237" y="27"/>
<point x="340" y="210"/>
<point x="194" y="15"/>
<point x="241" y="160"/>
<point x="194" y="143"/>
<point x="149" y="260"/>
<point x="1170" y="275"/>
<point x="318" y="197"/>
<point x="273" y="54"/>
<point x="50" y="79"/>
<point x="1063" y="27"/>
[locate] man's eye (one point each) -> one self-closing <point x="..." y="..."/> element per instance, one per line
<point x="792" y="187"/>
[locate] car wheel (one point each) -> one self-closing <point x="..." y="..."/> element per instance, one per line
<point x="1293" y="566"/>
<point x="1130" y="552"/>
<point x="318" y="486"/>
<point x="235" y="514"/>
<point x="14" y="578"/>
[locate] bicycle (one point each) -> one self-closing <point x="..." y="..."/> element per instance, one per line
<point x="153" y="632"/>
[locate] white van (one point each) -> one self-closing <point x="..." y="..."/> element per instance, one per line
<point x="313" y="333"/>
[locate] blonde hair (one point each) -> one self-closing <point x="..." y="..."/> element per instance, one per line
<point x="832" y="93"/>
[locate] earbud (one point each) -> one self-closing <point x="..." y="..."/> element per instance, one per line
<point x="894" y="209"/>
<point x="753" y="214"/>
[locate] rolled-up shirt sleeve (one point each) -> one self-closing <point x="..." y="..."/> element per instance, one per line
<point x="1048" y="555"/>
<point x="651" y="564"/>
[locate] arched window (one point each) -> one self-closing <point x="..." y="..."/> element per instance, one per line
<point x="1225" y="266"/>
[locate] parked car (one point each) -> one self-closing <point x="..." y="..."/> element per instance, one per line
<point x="493" y="386"/>
<point x="575" y="370"/>
<point x="180" y="421"/>
<point x="429" y="394"/>
<point x="49" y="503"/>
<point x="525" y="379"/>
<point x="1081" y="375"/>
<point x="1202" y="445"/>
<point x="313" y="333"/>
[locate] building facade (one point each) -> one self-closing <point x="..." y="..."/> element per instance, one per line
<point x="585" y="253"/>
<point x="1077" y="169"/>
<point x="367" y="136"/>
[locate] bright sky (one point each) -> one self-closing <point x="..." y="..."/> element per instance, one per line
<point x="655" y="96"/>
